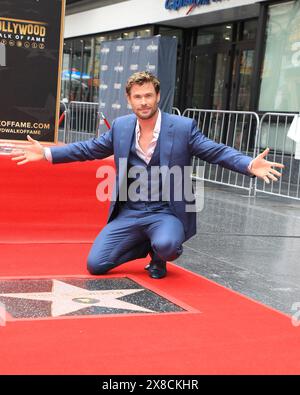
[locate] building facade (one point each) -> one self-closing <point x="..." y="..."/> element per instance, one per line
<point x="232" y="54"/>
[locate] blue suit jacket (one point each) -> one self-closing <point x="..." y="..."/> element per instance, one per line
<point x="180" y="140"/>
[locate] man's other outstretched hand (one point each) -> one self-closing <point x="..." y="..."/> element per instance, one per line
<point x="264" y="169"/>
<point x="24" y="153"/>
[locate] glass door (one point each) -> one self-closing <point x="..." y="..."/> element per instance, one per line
<point x="242" y="75"/>
<point x="208" y="84"/>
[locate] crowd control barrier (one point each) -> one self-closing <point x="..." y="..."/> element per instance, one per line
<point x="273" y="133"/>
<point x="236" y="129"/>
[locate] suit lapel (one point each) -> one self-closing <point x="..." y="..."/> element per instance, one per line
<point x="122" y="156"/>
<point x="166" y="142"/>
<point x="166" y="139"/>
<point x="126" y="137"/>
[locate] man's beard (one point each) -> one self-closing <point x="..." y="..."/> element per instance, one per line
<point x="149" y="116"/>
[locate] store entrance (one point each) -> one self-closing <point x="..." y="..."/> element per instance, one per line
<point x="221" y="67"/>
<point x="242" y="75"/>
<point x="221" y="78"/>
<point x="209" y="78"/>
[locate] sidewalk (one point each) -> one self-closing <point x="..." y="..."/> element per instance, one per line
<point x="250" y="245"/>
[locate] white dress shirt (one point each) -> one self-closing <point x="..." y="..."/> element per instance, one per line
<point x="146" y="156"/>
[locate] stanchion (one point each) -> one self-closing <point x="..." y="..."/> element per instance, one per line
<point x="105" y="120"/>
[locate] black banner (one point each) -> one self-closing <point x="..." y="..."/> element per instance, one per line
<point x="31" y="43"/>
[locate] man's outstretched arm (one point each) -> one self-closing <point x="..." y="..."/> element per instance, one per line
<point x="99" y="148"/>
<point x="231" y="158"/>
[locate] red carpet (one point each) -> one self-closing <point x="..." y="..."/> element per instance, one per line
<point x="49" y="217"/>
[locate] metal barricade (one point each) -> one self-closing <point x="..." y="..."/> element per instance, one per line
<point x="236" y="129"/>
<point x="81" y="122"/>
<point x="176" y="111"/>
<point x="273" y="132"/>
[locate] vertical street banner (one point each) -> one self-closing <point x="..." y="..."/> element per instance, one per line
<point x="31" y="45"/>
<point x="121" y="58"/>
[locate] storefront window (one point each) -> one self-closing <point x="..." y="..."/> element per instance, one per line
<point x="66" y="70"/>
<point x="144" y="33"/>
<point x="249" y="30"/>
<point x="280" y="84"/>
<point x="87" y="68"/>
<point x="129" y="35"/>
<point x="76" y="73"/>
<point x="214" y="34"/>
<point x="243" y="73"/>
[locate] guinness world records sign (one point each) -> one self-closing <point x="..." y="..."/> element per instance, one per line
<point x="31" y="45"/>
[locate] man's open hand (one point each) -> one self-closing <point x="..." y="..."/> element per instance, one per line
<point x="24" y="153"/>
<point x="264" y="169"/>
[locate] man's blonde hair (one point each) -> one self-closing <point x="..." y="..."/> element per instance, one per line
<point x="141" y="78"/>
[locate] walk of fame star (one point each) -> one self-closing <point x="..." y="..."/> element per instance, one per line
<point x="67" y="298"/>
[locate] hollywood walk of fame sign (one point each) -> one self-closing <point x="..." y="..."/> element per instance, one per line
<point x="31" y="45"/>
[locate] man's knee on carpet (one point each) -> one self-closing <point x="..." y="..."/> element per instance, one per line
<point x="167" y="249"/>
<point x="97" y="266"/>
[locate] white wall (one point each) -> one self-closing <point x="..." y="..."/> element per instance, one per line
<point x="134" y="13"/>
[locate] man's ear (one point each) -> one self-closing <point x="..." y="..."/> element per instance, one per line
<point x="158" y="97"/>
<point x="128" y="98"/>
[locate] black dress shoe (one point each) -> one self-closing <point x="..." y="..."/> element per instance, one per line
<point x="151" y="253"/>
<point x="157" y="270"/>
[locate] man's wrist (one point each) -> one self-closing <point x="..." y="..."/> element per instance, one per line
<point x="47" y="154"/>
<point x="250" y="167"/>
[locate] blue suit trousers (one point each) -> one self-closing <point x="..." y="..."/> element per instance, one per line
<point x="138" y="230"/>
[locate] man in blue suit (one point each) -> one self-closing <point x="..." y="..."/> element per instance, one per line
<point x="147" y="140"/>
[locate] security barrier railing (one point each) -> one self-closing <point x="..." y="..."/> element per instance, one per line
<point x="81" y="121"/>
<point x="236" y="129"/>
<point x="176" y="111"/>
<point x="273" y="132"/>
<point x="241" y="130"/>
